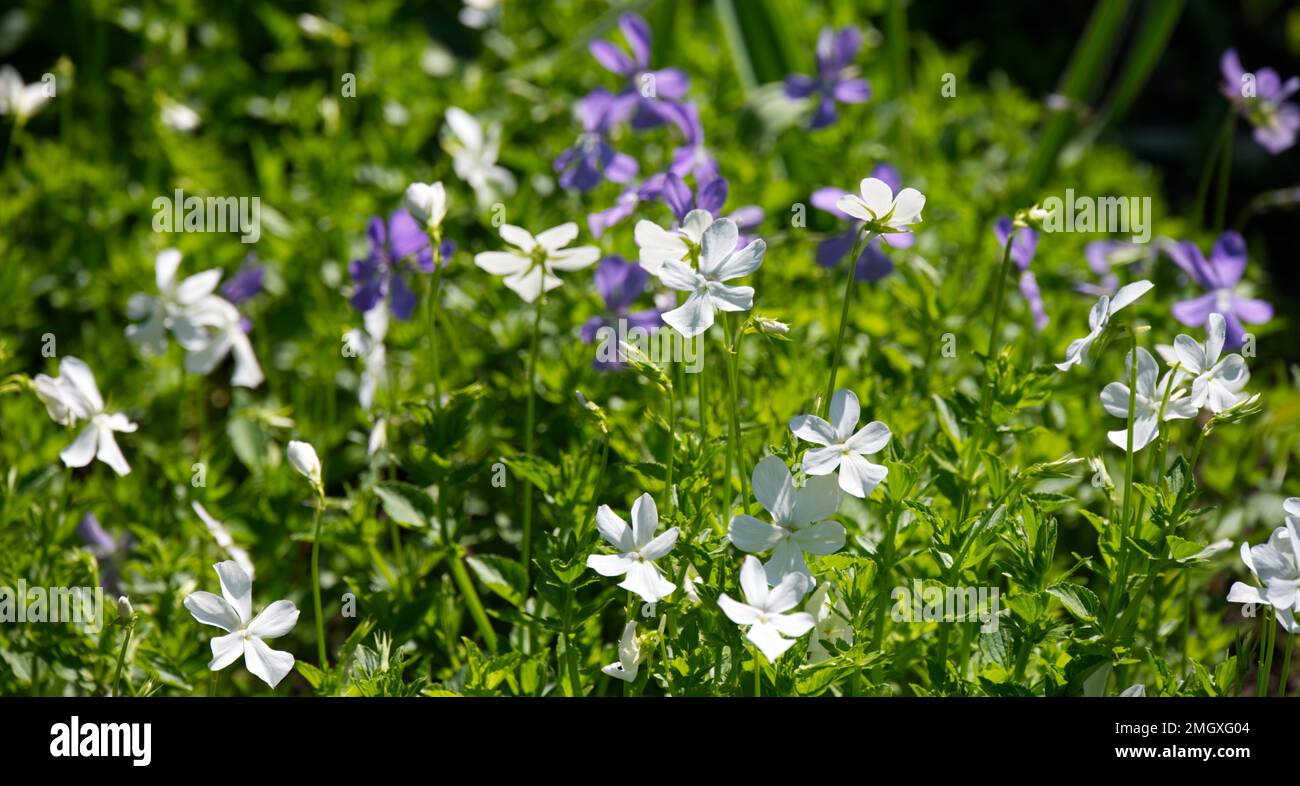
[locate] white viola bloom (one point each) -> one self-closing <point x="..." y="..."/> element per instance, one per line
<point x="765" y="610"/>
<point x="303" y="458"/>
<point x="173" y="298"/>
<point x="800" y="520"/>
<point x="232" y="611"/>
<point x="881" y="209"/>
<point x="74" y="396"/>
<point x="222" y="536"/>
<point x="1217" y="382"/>
<point x="210" y="330"/>
<point x="1276" y="568"/>
<point x="629" y="656"/>
<point x="529" y="266"/>
<point x="707" y="291"/>
<point x="638" y="548"/>
<point x="179" y="117"/>
<point x="659" y="245"/>
<point x="1146" y="406"/>
<point x="845" y="449"/>
<point x="831" y="623"/>
<point x="1099" y="318"/>
<point x="368" y="344"/>
<point x="474" y="156"/>
<point x="427" y="203"/>
<point x="20" y="100"/>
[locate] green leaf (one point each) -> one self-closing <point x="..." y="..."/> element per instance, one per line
<point x="503" y="576"/>
<point x="1078" y="600"/>
<point x="313" y="675"/>
<point x="410" y="506"/>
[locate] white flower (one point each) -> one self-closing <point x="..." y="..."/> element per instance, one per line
<point x="474" y="156"/>
<point x="878" y="205"/>
<point x="232" y="611"/>
<point x="800" y="520"/>
<point x="845" y="448"/>
<point x="303" y="458"/>
<point x="210" y="330"/>
<point x="659" y="245"/>
<point x="21" y="101"/>
<point x="1147" y="403"/>
<point x="638" y="549"/>
<point x="368" y="344"/>
<point x="1276" y="567"/>
<point x="1216" y="382"/>
<point x="764" y="610"/>
<point x="831" y="623"/>
<point x="173" y="299"/>
<point x="427" y="203"/>
<point x="707" y="292"/>
<point x="530" y="266"/>
<point x="223" y="538"/>
<point x="629" y="656"/>
<point x="179" y="117"/>
<point x="1099" y="318"/>
<point x="73" y="396"/>
<point x="378" y="437"/>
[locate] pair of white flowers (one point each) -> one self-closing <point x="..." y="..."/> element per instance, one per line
<point x="1276" y="568"/>
<point x="73" y="396"/>
<point x="205" y="324"/>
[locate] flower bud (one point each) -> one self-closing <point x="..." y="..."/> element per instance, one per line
<point x="427" y="202"/>
<point x="303" y="458"/>
<point x="124" y="609"/>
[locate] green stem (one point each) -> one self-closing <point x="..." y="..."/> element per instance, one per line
<point x="1225" y="174"/>
<point x="886" y="565"/>
<point x="529" y="424"/>
<point x="670" y="502"/>
<point x="121" y="657"/>
<point x="1211" y="161"/>
<point x="863" y="236"/>
<point x="1285" y="679"/>
<point x="1266" y="643"/>
<point x="467" y="591"/>
<point x="1117" y="589"/>
<point x="733" y="391"/>
<point x="435" y="291"/>
<point x="999" y="290"/>
<point x="758" y="673"/>
<point x="315" y="583"/>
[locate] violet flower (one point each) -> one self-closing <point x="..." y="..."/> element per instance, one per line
<point x="619" y="283"/>
<point x="1023" y="247"/>
<point x="1276" y="120"/>
<point x="836" y="80"/>
<point x="646" y="93"/>
<point x="872" y="263"/>
<point x="244" y="284"/>
<point x="1219" y="278"/>
<point x="108" y="553"/>
<point x="1099" y="255"/>
<point x="395" y="248"/>
<point x="691" y="157"/>
<point x="592" y="159"/>
<point x="710" y="195"/>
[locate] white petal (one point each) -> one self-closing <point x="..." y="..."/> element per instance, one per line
<point x="643" y="579"/>
<point x="556" y="238"/>
<point x="858" y="476"/>
<point x="774" y="488"/>
<point x="110" y="453"/>
<point x="226" y="650"/>
<point x="658" y="245"/>
<point x="645" y="520"/>
<point x="876" y="196"/>
<point x="729" y="298"/>
<point x="822" y="461"/>
<point x="268" y="664"/>
<point x="818" y="499"/>
<point x="165" y="264"/>
<point x="1128" y="294"/>
<point x="718" y="243"/>
<point x="614" y="529"/>
<point x="573" y="258"/>
<point x="769" y="641"/>
<point x="83" y="382"/>
<point x="1245" y="593"/>
<point x="794" y="625"/>
<point x="752" y="535"/>
<point x="824" y="537"/>
<point x="236" y="588"/>
<point x="662" y="545"/>
<point x="518" y="237"/>
<point x="737" y="612"/>
<point x="907" y="208"/>
<point x="213" y="610"/>
<point x="679" y="276"/>
<point x="1114" y="399"/>
<point x="871" y="438"/>
<point x="529" y="284"/>
<point x="502" y="263"/>
<point x="1215" y="334"/>
<point x="610" y="564"/>
<point x="844" y="413"/>
<point x="811" y="428"/>
<point x="852" y="205"/>
<point x="695" y="223"/>
<point x="275" y="620"/>
<point x="1190" y="354"/>
<point x="691" y="318"/>
<point x="197" y="287"/>
<point x="753" y="582"/>
<point x="82" y="450"/>
<point x="786" y="594"/>
<point x="743" y="262"/>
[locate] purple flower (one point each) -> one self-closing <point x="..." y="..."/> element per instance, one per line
<point x="645" y="90"/>
<point x="1219" y="278"/>
<point x="592" y="159"/>
<point x="691" y="157"/>
<point x="245" y="284"/>
<point x="710" y="196"/>
<point x="1275" y="119"/>
<point x="1023" y="247"/>
<point x="1100" y="256"/>
<point x="835" y="80"/>
<point x="394" y="249"/>
<point x="619" y="283"/>
<point x="108" y="552"/>
<point x="872" y="263"/>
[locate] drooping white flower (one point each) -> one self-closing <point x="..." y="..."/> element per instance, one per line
<point x="1099" y="318"/>
<point x="474" y="156"/>
<point x="880" y="208"/>
<point x="1276" y="568"/>
<point x="707" y="291"/>
<point x="831" y="622"/>
<point x="20" y="100"/>
<point x="74" y="396"/>
<point x="629" y="656"/>
<point x="659" y="245"/>
<point x="173" y="298"/>
<point x="1147" y="403"/>
<point x="222" y="536"/>
<point x="303" y="458"/>
<point x="427" y="203"/>
<point x="210" y="330"/>
<point x="638" y="548"/>
<point x="529" y="266"/>
<point x="844" y="448"/>
<point x="800" y="520"/>
<point x="764" y="609"/>
<point x="232" y="611"/>
<point x="368" y="344"/>
<point x="1217" y="382"/>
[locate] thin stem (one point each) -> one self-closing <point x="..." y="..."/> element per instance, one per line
<point x="1284" y="680"/>
<point x="1118" y="588"/>
<point x="863" y="237"/>
<point x="121" y="657"/>
<point x="1211" y="160"/>
<point x="435" y="290"/>
<point x="758" y="673"/>
<point x="315" y="583"/>
<point x="670" y="502"/>
<point x="1225" y="173"/>
<point x="886" y="565"/>
<point x="529" y="423"/>
<point x="733" y="392"/>
<point x="1272" y="645"/>
<point x="999" y="289"/>
<point x="467" y="591"/>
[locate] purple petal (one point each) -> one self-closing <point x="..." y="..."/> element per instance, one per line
<point x="671" y="83"/>
<point x="889" y="176"/>
<point x="825" y="199"/>
<point x="1228" y="258"/>
<point x="852" y="91"/>
<point x="899" y="239"/>
<point x="713" y="195"/>
<point x="593" y="109"/>
<point x="245" y="284"/>
<point x="611" y="57"/>
<point x="873" y="265"/>
<point x="402" y="298"/>
<point x="621" y="168"/>
<point x="1230" y="67"/>
<point x="1234" y="333"/>
<point x="648" y="320"/>
<point x="834" y="248"/>
<point x="591" y="328"/>
<point x="1252" y="310"/>
<point x="1281" y="135"/>
<point x="825" y="114"/>
<point x="747" y="217"/>
<point x="637" y="33"/>
<point x="799" y="86"/>
<point x="95" y="536"/>
<point x="848" y="40"/>
<point x="1195" y="312"/>
<point x="678" y="196"/>
<point x="620" y="283"/>
<point x="1188" y="257"/>
<point x="406" y="238"/>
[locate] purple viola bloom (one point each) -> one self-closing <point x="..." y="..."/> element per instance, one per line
<point x="872" y="263"/>
<point x="1275" y="119"/>
<point x="245" y="284"/>
<point x="1219" y="278"/>
<point x="1023" y="246"/>
<point x="395" y="248"/>
<point x="108" y="552"/>
<point x="710" y="196"/>
<point x="691" y="157"/>
<point x="836" y="80"/>
<point x="592" y="159"/>
<point x="619" y="283"/>
<point x="652" y="188"/>
<point x="646" y="93"/>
